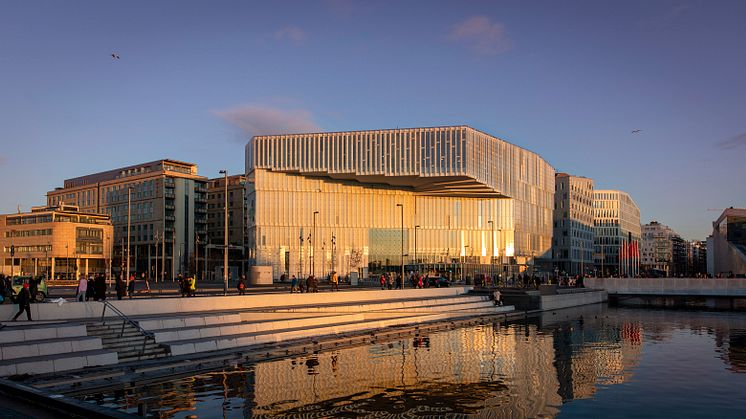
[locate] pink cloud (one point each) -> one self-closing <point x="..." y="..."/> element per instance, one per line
<point x="265" y="120"/>
<point x="290" y="33"/>
<point x="481" y="35"/>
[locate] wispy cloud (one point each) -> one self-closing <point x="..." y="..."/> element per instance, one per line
<point x="481" y="34"/>
<point x="733" y="142"/>
<point x="290" y="33"/>
<point x="264" y="120"/>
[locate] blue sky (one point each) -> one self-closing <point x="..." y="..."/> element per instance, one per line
<point x="569" y="80"/>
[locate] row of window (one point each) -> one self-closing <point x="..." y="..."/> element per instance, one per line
<point x="29" y="233"/>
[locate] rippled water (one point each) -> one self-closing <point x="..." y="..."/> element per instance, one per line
<point x="593" y="362"/>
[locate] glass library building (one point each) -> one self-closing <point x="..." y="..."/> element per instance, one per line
<point x="451" y="200"/>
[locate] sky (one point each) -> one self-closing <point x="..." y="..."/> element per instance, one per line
<point x="569" y="80"/>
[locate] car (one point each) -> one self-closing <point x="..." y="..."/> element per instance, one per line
<point x="41" y="289"/>
<point x="438" y="282"/>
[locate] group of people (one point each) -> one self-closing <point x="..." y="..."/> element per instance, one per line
<point x="311" y="284"/>
<point x="187" y="285"/>
<point x="92" y="287"/>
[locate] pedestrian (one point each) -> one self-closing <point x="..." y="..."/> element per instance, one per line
<point x="293" y="284"/>
<point x="24" y="302"/>
<point x="192" y="284"/>
<point x="301" y="285"/>
<point x="34" y="287"/>
<point x="182" y="285"/>
<point x="131" y="286"/>
<point x="419" y="281"/>
<point x="90" y="290"/>
<point x="389" y="280"/>
<point x="334" y="281"/>
<point x="120" y="287"/>
<point x="309" y="283"/>
<point x="242" y="285"/>
<point x="82" y="288"/>
<point x="383" y="281"/>
<point x="100" y="287"/>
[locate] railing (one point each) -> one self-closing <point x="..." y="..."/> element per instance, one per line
<point x="125" y="320"/>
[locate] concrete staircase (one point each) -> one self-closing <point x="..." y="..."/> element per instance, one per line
<point x="38" y="348"/>
<point x="126" y="340"/>
<point x="209" y="332"/>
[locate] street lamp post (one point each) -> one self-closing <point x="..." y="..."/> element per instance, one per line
<point x="401" y="206"/>
<point x="334" y="243"/>
<point x="300" y="261"/>
<point x="313" y="246"/>
<point x="492" y="251"/>
<point x="129" y="217"/>
<point x="416" y="262"/>
<point x="225" y="236"/>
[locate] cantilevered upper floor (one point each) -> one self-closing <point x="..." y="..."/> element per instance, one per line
<point x="449" y="161"/>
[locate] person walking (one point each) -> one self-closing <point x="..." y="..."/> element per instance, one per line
<point x="82" y="288"/>
<point x="131" y="286"/>
<point x="89" y="291"/>
<point x="293" y="284"/>
<point x="192" y="286"/>
<point x="383" y="281"/>
<point x="334" y="281"/>
<point x="24" y="302"/>
<point x="120" y="287"/>
<point x="242" y="285"/>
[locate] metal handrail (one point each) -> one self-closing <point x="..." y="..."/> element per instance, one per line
<point x="125" y="320"/>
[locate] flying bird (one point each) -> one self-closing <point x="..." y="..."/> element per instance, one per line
<point x="635" y="131"/>
<point x="115" y="56"/>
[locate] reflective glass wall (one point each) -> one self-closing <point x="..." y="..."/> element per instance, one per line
<point x="450" y="181"/>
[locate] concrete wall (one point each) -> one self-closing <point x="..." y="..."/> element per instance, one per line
<point x="559" y="301"/>
<point x="156" y="306"/>
<point x="730" y="287"/>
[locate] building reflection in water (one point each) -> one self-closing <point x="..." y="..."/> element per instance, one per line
<point x="523" y="369"/>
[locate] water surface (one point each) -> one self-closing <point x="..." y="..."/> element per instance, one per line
<point x="592" y="361"/>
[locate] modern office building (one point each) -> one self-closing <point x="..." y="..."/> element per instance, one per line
<point x="444" y="197"/>
<point x="697" y="258"/>
<point x="237" y="238"/>
<point x="164" y="198"/>
<point x="617" y="233"/>
<point x="662" y="251"/>
<point x="726" y="247"/>
<point x="58" y="242"/>
<point x="572" y="245"/>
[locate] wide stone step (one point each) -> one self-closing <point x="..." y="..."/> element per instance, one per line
<point x="254" y="327"/>
<point x="249" y="339"/>
<point x="443" y="307"/>
<point x="382" y="305"/>
<point x="57" y="362"/>
<point x="24" y="332"/>
<point x="48" y="347"/>
<point x="189" y="321"/>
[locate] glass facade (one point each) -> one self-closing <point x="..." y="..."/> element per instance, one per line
<point x="618" y="233"/>
<point x="464" y="196"/>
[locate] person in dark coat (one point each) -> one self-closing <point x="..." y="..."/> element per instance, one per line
<point x="100" y="288"/>
<point x="120" y="287"/>
<point x="24" y="302"/>
<point x="33" y="287"/>
<point x="89" y="292"/>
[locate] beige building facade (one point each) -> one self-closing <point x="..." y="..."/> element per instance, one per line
<point x="58" y="242"/>
<point x="237" y="237"/>
<point x="164" y="198"/>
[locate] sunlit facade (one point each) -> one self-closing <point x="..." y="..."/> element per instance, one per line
<point x="617" y="233"/>
<point x="448" y="194"/>
<point x="573" y="224"/>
